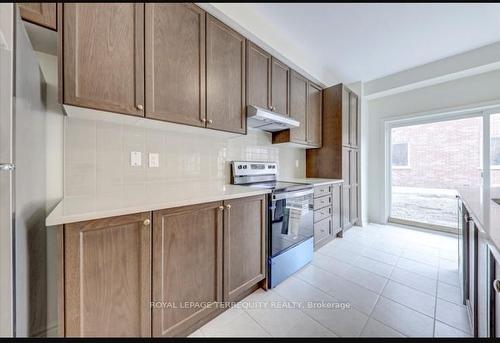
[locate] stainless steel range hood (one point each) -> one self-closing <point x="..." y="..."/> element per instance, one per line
<point x="259" y="118"/>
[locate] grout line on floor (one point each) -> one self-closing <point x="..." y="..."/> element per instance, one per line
<point x="258" y="324"/>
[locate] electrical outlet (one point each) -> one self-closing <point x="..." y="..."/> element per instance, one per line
<point x="154" y="160"/>
<point x="135" y="159"/>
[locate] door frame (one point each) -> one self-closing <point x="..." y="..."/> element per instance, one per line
<point x="432" y="117"/>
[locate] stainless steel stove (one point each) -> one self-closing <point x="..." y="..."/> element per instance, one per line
<point x="290" y="217"/>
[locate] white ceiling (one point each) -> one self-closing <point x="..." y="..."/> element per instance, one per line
<point x="362" y="42"/>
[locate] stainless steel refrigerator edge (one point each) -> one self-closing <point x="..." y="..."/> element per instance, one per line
<point x="6" y="154"/>
<point x="24" y="188"/>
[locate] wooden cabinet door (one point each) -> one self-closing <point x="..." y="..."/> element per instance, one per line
<point x="354" y="119"/>
<point x="244" y="245"/>
<point x="104" y="56"/>
<point x="346" y="127"/>
<point x="353" y="215"/>
<point x="175" y="63"/>
<point x="258" y="76"/>
<point x="40" y="13"/>
<point x="314" y="115"/>
<point x="298" y="107"/>
<point x="187" y="267"/>
<point x="353" y="166"/>
<point x="346" y="165"/>
<point x="337" y="208"/>
<point x="346" y="206"/>
<point x="280" y="87"/>
<point x="322" y="232"/>
<point x="225" y="78"/>
<point x="108" y="277"/>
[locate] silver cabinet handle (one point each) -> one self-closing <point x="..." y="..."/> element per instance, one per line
<point x="7" y="166"/>
<point x="203" y="120"/>
<point x="140" y="107"/>
<point x="496" y="285"/>
<point x="221" y="208"/>
<point x="210" y="121"/>
<point x="147" y="222"/>
<point x="228" y="206"/>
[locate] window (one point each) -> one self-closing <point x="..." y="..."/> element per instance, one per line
<point x="495" y="151"/>
<point x="400" y="155"/>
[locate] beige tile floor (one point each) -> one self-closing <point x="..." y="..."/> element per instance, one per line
<point x="392" y="281"/>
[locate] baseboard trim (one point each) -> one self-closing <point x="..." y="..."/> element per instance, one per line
<point x="425" y="226"/>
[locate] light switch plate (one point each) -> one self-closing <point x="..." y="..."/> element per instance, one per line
<point x="154" y="160"/>
<point x="135" y="159"/>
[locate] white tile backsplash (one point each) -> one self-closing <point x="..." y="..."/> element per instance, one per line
<point x="97" y="155"/>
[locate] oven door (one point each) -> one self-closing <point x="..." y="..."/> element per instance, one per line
<point x="291" y="219"/>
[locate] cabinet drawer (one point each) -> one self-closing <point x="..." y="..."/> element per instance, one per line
<point x="322" y="213"/>
<point x="323" y="190"/>
<point x="322" y="202"/>
<point x="322" y="229"/>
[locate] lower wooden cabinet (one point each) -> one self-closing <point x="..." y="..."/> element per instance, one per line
<point x="327" y="213"/>
<point x="187" y="266"/>
<point x="107" y="264"/>
<point x="164" y="273"/>
<point x="244" y="245"/>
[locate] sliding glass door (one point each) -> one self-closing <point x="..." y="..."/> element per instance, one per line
<point x="429" y="162"/>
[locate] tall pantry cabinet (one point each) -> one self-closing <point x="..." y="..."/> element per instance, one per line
<point x="339" y="156"/>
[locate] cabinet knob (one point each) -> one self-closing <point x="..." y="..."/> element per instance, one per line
<point x="228" y="206"/>
<point x="221" y="208"/>
<point x="203" y="120"/>
<point x="496" y="285"/>
<point x="140" y="107"/>
<point x="210" y="121"/>
<point x="147" y="222"/>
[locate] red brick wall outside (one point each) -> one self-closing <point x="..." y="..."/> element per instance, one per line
<point x="442" y="155"/>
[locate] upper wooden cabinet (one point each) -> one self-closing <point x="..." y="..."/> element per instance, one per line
<point x="108" y="277"/>
<point x="314" y="115"/>
<point x="258" y="77"/>
<point x="244" y="245"/>
<point x="298" y="107"/>
<point x="338" y="157"/>
<point x="40" y="13"/>
<point x="268" y="81"/>
<point x="175" y="63"/>
<point x="306" y="108"/>
<point x="280" y="87"/>
<point x="225" y="77"/>
<point x="187" y="266"/>
<point x="353" y="120"/>
<point x="103" y="59"/>
<point x="350" y="118"/>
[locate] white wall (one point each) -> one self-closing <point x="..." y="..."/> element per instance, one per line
<point x="470" y="92"/>
<point x="54" y="184"/>
<point x="243" y="18"/>
<point x="6" y="31"/>
<point x="97" y="153"/>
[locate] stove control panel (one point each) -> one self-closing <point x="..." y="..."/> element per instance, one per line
<point x="254" y="168"/>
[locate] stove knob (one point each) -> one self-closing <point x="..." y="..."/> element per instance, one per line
<point x="239" y="167"/>
<point x="244" y="167"/>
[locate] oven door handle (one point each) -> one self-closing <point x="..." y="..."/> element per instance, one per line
<point x="287" y="195"/>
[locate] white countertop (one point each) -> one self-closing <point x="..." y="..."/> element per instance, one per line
<point x="144" y="198"/>
<point x="485" y="212"/>
<point x="312" y="180"/>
